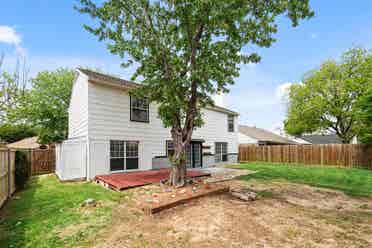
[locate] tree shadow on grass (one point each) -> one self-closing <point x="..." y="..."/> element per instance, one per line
<point x="15" y="215"/>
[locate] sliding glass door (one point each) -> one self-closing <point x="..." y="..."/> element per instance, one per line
<point x="193" y="153"/>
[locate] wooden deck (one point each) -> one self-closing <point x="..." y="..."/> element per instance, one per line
<point x="120" y="181"/>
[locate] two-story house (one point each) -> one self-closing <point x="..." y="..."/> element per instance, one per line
<point x="110" y="132"/>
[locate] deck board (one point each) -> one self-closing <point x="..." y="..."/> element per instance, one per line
<point x="121" y="181"/>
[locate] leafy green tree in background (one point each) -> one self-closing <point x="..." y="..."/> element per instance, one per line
<point x="45" y="105"/>
<point x="13" y="86"/>
<point x="365" y="116"/>
<point x="187" y="51"/>
<point x="14" y="132"/>
<point x="327" y="99"/>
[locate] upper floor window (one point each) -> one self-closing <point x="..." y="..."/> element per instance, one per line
<point x="230" y="123"/>
<point x="139" y="109"/>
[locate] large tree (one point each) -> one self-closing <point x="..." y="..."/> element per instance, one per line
<point x="365" y="116"/>
<point x="188" y="50"/>
<point x="45" y="105"/>
<point x="327" y="99"/>
<point x="13" y="86"/>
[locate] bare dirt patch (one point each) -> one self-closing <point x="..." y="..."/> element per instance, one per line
<point x="285" y="215"/>
<point x="313" y="197"/>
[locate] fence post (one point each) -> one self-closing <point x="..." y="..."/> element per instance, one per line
<point x="30" y="161"/>
<point x="9" y="174"/>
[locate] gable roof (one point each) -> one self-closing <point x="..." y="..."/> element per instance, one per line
<point x="222" y="110"/>
<point x="27" y="143"/>
<point x="322" y="139"/>
<point x="100" y="78"/>
<point x="96" y="77"/>
<point x="263" y="135"/>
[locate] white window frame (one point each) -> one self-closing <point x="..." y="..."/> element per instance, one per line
<point x="218" y="157"/>
<point x="168" y="144"/>
<point x="229" y="119"/>
<point x="141" y="108"/>
<point x="124" y="157"/>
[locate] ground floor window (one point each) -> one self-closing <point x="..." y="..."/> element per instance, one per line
<point x="123" y="155"/>
<point x="220" y="151"/>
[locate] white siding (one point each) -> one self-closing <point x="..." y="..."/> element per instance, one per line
<point x="109" y="119"/>
<point x="78" y="109"/>
<point x="71" y="159"/>
<point x="245" y="139"/>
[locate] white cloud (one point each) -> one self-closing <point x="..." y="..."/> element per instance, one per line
<point x="9" y="35"/>
<point x="282" y="91"/>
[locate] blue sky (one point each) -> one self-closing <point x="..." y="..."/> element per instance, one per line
<point x="50" y="34"/>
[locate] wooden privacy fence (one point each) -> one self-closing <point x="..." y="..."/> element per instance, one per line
<point x="347" y="155"/>
<point x="7" y="174"/>
<point x="41" y="161"/>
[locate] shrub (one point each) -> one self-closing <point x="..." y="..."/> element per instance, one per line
<point x="21" y="169"/>
<point x="12" y="133"/>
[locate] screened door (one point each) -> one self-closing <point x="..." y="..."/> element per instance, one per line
<point x="197" y="154"/>
<point x="188" y="156"/>
<point x="193" y="155"/>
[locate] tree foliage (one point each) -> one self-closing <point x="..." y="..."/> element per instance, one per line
<point x="365" y="116"/>
<point x="45" y="105"/>
<point x="327" y="99"/>
<point x="186" y="51"/>
<point x="14" y="132"/>
<point x="12" y="88"/>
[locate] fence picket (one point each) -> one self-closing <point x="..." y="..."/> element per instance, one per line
<point x="343" y="155"/>
<point x="7" y="169"/>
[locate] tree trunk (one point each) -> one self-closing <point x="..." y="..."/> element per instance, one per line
<point x="177" y="175"/>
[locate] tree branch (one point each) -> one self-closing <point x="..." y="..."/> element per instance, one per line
<point x="191" y="111"/>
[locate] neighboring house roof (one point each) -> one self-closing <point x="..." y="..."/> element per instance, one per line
<point x="2" y="144"/>
<point x="322" y="139"/>
<point x="262" y="135"/>
<point x="27" y="143"/>
<point x="100" y="78"/>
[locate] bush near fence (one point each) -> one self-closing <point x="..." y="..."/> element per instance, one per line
<point x="346" y="155"/>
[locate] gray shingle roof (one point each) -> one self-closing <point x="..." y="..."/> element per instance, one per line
<point x="263" y="135"/>
<point x="27" y="143"/>
<point x="322" y="139"/>
<point x="223" y="110"/>
<point x="97" y="77"/>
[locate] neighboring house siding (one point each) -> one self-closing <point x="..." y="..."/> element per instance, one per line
<point x="109" y="119"/>
<point x="244" y="139"/>
<point x="78" y="109"/>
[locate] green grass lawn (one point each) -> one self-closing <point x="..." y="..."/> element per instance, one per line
<point x="49" y="214"/>
<point x="354" y="182"/>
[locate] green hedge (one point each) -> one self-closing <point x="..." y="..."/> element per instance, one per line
<point x="21" y="169"/>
